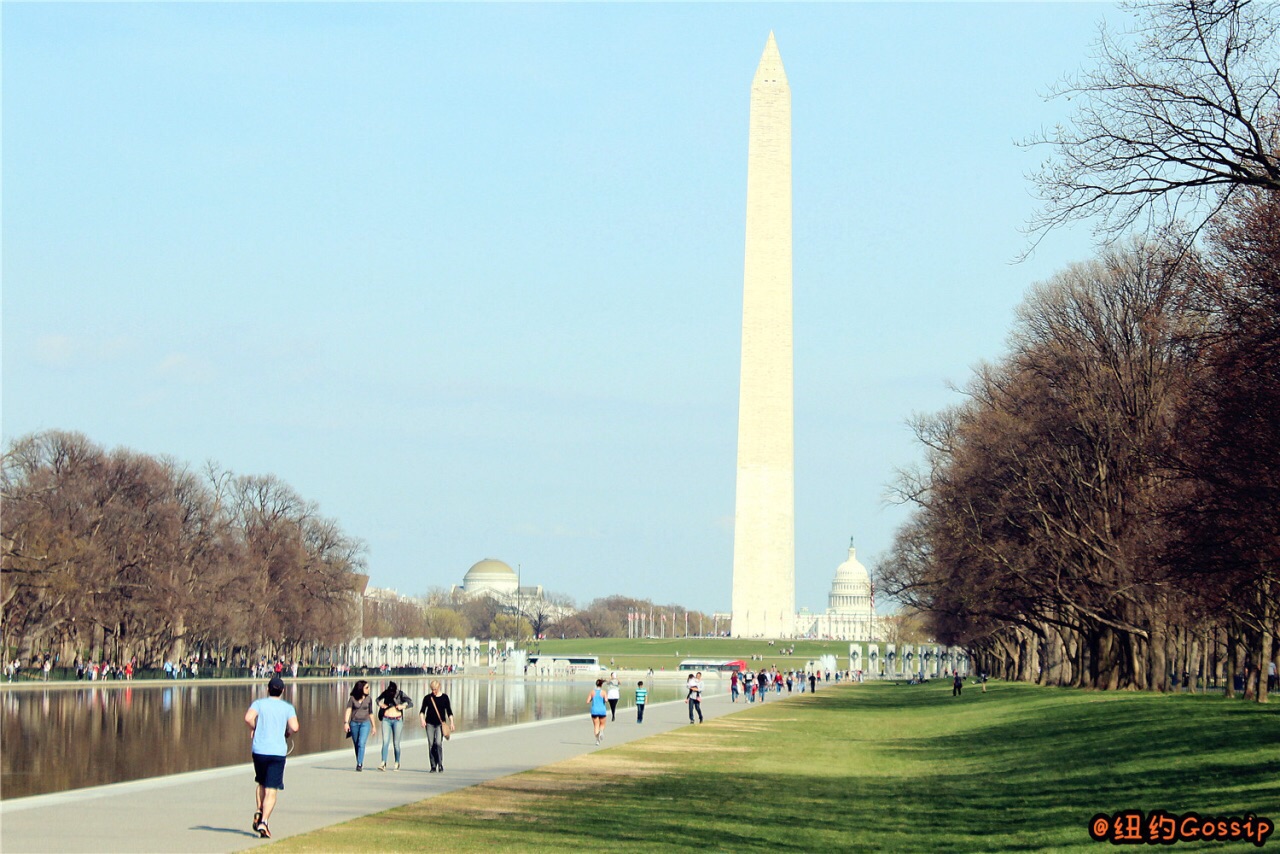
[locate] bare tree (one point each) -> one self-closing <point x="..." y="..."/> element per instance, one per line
<point x="1181" y="110"/>
<point x="543" y="612"/>
<point x="1229" y="448"/>
<point x="1037" y="537"/>
<point x="53" y="553"/>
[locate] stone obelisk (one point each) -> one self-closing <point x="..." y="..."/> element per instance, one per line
<point x="764" y="566"/>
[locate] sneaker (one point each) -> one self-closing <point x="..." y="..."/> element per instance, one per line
<point x="397" y="768"/>
<point x="359" y="767"/>
<point x="382" y="767"/>
<point x="263" y="830"/>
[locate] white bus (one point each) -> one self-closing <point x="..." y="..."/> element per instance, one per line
<point x="569" y="663"/>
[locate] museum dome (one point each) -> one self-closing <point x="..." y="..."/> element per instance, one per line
<point x="490" y="574"/>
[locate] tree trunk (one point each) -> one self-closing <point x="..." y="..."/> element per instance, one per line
<point x="1204" y="667"/>
<point x="1055" y="658"/>
<point x="1136" y="657"/>
<point x="1108" y="660"/>
<point x="1157" y="679"/>
<point x="1029" y="671"/>
<point x="1233" y="663"/>
<point x="1264" y="658"/>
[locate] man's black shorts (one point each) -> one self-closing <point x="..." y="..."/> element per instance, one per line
<point x="268" y="771"/>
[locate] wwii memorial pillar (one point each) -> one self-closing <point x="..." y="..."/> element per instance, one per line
<point x="764" y="515"/>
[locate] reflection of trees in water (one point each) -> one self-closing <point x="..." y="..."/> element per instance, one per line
<point x="70" y="738"/>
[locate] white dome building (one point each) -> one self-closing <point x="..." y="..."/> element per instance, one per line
<point x="850" y="606"/>
<point x="851" y="589"/>
<point x="499" y="582"/>
<point x="491" y="576"/>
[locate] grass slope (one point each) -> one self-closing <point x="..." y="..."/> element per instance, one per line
<point x="868" y="767"/>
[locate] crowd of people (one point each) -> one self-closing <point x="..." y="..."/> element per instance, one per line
<point x="752" y="685"/>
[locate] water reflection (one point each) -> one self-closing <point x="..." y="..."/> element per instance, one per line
<point x="58" y="739"/>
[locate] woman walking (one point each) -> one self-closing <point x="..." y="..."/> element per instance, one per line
<point x="599" y="709"/>
<point x="391" y="705"/>
<point x="358" y="719"/>
<point x="437" y="718"/>
<point x="613" y="694"/>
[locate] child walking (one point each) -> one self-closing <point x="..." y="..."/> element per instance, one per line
<point x="642" y="695"/>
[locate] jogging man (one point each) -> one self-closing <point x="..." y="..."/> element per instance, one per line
<point x="272" y="721"/>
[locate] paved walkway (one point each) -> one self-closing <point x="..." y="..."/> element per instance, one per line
<point x="212" y="810"/>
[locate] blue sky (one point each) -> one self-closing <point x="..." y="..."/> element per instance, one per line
<point x="469" y="276"/>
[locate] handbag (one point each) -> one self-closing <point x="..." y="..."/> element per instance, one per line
<point x="444" y="727"/>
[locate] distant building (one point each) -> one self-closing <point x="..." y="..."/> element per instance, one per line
<point x="497" y="580"/>
<point x="851" y="607"/>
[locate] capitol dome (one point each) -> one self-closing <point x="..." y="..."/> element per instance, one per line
<point x="490" y="575"/>
<point x="851" y="588"/>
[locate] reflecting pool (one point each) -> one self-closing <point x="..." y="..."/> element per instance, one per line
<point x="68" y="738"/>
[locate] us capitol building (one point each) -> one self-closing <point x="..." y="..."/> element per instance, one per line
<point x="851" y="608"/>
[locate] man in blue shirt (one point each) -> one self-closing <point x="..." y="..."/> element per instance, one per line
<point x="272" y="721"/>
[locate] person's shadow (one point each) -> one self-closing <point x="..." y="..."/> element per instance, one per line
<point x="232" y="830"/>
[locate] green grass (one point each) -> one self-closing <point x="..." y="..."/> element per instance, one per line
<point x="645" y="653"/>
<point x="869" y="767"/>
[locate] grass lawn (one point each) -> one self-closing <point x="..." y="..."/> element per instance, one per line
<point x="873" y="767"/>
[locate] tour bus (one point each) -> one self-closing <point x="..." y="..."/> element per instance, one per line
<point x="713" y="666"/>
<point x="571" y="663"/>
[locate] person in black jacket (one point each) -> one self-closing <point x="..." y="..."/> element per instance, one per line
<point x="391" y="705"/>
<point x="437" y="718"/>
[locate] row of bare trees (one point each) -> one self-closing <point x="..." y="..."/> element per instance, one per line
<point x="1104" y="508"/>
<point x="441" y="613"/>
<point x="118" y="555"/>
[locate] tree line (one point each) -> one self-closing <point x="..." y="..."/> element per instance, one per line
<point x="445" y="613"/>
<point x="1103" y="509"/>
<point x="118" y="555"/>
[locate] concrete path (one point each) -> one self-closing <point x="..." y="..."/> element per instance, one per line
<point x="212" y="810"/>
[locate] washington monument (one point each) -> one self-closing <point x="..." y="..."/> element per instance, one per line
<point x="764" y="562"/>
